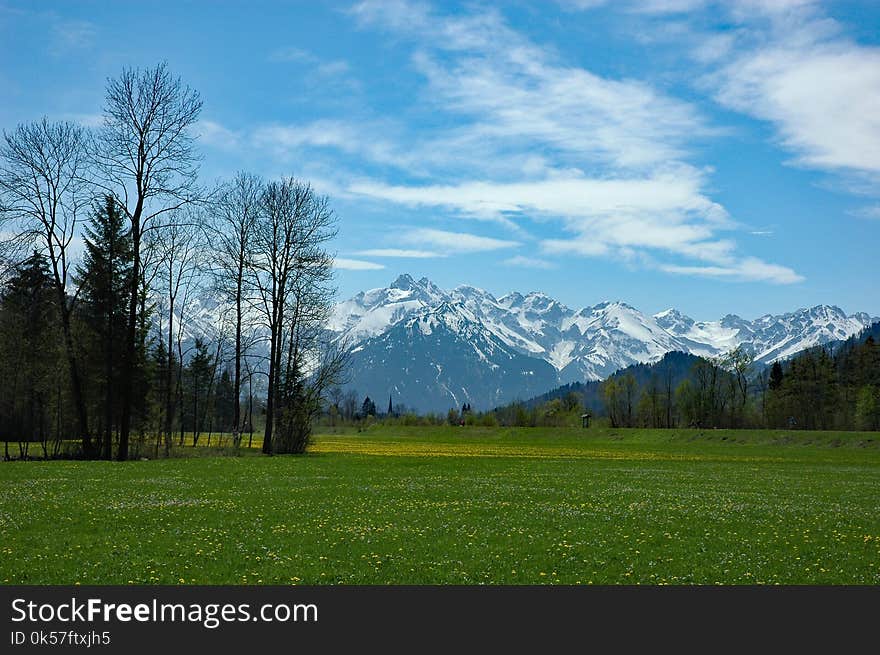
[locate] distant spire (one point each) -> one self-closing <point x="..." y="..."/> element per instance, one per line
<point x="390" y="407"/>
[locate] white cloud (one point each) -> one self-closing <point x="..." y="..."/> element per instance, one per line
<point x="676" y="191"/>
<point x="750" y="8"/>
<point x="396" y="14"/>
<point x="356" y="265"/>
<point x="667" y="6"/>
<point x="525" y="136"/>
<point x="214" y="134"/>
<point x="584" y="246"/>
<point x="666" y="212"/>
<point x="749" y="269"/>
<point x="685" y="6"/>
<point x="455" y="242"/>
<point x="529" y="262"/>
<point x="348" y="137"/>
<point x="522" y="96"/>
<point x="580" y="5"/>
<point x="818" y="88"/>
<point x="520" y="104"/>
<point x="400" y="253"/>
<point x="298" y="55"/>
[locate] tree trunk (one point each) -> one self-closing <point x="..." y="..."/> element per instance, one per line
<point x="79" y="401"/>
<point x="270" y="396"/>
<point x="236" y="385"/>
<point x="108" y="393"/>
<point x="169" y="407"/>
<point x="131" y="333"/>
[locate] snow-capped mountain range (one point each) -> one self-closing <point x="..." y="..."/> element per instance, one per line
<point x="434" y="349"/>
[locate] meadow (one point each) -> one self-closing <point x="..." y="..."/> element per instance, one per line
<point x="450" y="505"/>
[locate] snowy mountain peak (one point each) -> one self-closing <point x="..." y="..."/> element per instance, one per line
<point x="674" y="321"/>
<point x="466" y="291"/>
<point x="584" y="344"/>
<point x="512" y="299"/>
<point x="403" y="282"/>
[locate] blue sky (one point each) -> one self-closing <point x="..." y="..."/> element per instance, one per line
<point x="719" y="157"/>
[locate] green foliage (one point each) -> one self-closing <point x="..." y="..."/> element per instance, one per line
<point x="198" y="378"/>
<point x="32" y="404"/>
<point x="104" y="279"/>
<point x="826" y="389"/>
<point x="224" y="402"/>
<point x="620" y="393"/>
<point x="868" y="408"/>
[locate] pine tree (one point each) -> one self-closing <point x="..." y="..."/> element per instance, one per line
<point x="164" y="368"/>
<point x="225" y="402"/>
<point x="199" y="373"/>
<point x="29" y="356"/>
<point x="104" y="278"/>
<point x="776" y="376"/>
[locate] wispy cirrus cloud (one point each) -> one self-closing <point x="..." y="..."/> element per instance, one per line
<point x="330" y="134"/>
<point x="300" y="56"/>
<point x="518" y="94"/>
<point x="400" y="253"/>
<point x="749" y="269"/>
<point x="608" y="156"/>
<point x="609" y="218"/>
<point x="526" y="137"/>
<point x="455" y="242"/>
<point x="345" y="264"/>
<point x="216" y="135"/>
<point x="676" y="192"/>
<point x="521" y="261"/>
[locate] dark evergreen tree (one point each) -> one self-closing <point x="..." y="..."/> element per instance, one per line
<point x="104" y="279"/>
<point x="776" y="376"/>
<point x="30" y="362"/>
<point x="224" y="402"/>
<point x="198" y="379"/>
<point x="164" y="371"/>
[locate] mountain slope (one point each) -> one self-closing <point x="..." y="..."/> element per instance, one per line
<point x="442" y="357"/>
<point x="477" y="340"/>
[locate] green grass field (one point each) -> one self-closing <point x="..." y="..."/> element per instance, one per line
<point x="460" y="506"/>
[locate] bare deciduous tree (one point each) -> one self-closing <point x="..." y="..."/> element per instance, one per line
<point x="44" y="190"/>
<point x="293" y="226"/>
<point x="180" y="253"/>
<point x="314" y="363"/>
<point x="148" y="162"/>
<point x="237" y="206"/>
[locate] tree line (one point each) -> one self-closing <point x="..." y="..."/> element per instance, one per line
<point x="836" y="386"/>
<point x="113" y="258"/>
